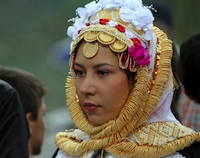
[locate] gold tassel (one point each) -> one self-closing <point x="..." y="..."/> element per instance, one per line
<point x="176" y="81"/>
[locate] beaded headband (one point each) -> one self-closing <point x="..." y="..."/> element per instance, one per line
<point x="109" y="23"/>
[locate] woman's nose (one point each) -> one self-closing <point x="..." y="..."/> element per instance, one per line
<point x="88" y="85"/>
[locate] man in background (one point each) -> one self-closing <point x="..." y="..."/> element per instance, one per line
<point x="31" y="91"/>
<point x="14" y="132"/>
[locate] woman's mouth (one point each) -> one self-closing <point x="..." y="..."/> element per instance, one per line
<point x="90" y="107"/>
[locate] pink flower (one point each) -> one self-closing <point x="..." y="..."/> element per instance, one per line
<point x="140" y="55"/>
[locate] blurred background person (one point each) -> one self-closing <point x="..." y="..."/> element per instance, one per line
<point x="189" y="107"/>
<point x="32" y="92"/>
<point x="14" y="131"/>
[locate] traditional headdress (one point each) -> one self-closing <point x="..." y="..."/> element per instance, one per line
<point x="145" y="126"/>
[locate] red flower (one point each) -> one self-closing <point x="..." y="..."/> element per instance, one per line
<point x="104" y="21"/>
<point x="120" y="28"/>
<point x="136" y="41"/>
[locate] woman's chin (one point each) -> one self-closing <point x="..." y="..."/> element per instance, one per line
<point x="97" y="121"/>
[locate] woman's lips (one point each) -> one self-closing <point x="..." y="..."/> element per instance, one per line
<point x="90" y="107"/>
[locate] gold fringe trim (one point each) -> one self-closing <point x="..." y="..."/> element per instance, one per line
<point x="143" y="99"/>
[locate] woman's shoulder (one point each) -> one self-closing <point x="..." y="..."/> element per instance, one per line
<point x="75" y="134"/>
<point x="72" y="134"/>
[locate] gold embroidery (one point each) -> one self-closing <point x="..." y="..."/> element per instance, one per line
<point x="160" y="133"/>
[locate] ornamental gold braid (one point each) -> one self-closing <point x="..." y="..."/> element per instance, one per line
<point x="114" y="135"/>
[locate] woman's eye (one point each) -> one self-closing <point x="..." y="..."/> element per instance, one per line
<point x="79" y="72"/>
<point x="103" y="73"/>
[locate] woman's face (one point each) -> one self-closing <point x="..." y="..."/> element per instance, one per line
<point x="102" y="87"/>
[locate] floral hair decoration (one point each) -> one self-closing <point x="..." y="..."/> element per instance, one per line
<point x="139" y="54"/>
<point x="133" y="20"/>
<point x="130" y="11"/>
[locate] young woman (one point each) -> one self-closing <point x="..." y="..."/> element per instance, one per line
<point x="120" y="89"/>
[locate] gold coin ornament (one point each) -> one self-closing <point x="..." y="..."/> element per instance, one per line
<point x="90" y="36"/>
<point x="105" y="39"/>
<point x="118" y="46"/>
<point x="90" y="49"/>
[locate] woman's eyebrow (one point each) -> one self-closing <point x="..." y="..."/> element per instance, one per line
<point x="102" y="64"/>
<point x="78" y="65"/>
<point x="95" y="66"/>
